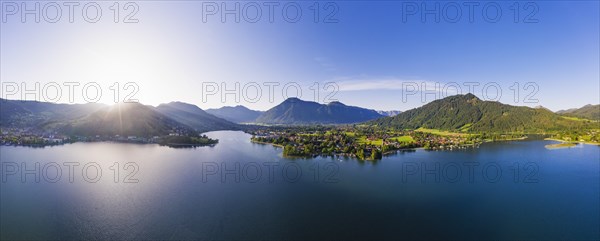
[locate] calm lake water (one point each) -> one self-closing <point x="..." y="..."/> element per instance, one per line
<point x="241" y="190"/>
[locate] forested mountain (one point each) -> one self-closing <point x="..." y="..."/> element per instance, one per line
<point x="469" y="113"/>
<point x="591" y="112"/>
<point x="296" y="111"/>
<point x="237" y="114"/>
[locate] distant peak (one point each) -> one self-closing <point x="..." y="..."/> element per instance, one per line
<point x="237" y="107"/>
<point x="293" y="100"/>
<point x="180" y="105"/>
<point x="336" y="103"/>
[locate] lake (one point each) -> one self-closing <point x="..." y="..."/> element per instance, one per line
<point x="240" y="190"/>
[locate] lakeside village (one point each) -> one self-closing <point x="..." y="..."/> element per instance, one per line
<point x="28" y="137"/>
<point x="370" y="143"/>
<point x="361" y="142"/>
<point x="365" y="143"/>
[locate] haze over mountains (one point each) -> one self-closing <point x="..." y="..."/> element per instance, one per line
<point x="459" y="112"/>
<point x="193" y="116"/>
<point x="237" y="114"/>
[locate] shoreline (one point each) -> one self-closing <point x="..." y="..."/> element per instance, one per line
<point x="393" y="152"/>
<point x="266" y="143"/>
<point x="110" y="141"/>
<point x="578" y="142"/>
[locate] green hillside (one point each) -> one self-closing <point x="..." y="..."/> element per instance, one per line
<point x="591" y="112"/>
<point x="467" y="113"/>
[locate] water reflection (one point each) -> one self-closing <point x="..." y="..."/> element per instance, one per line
<point x="408" y="194"/>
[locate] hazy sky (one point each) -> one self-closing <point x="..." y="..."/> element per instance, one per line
<point x="378" y="54"/>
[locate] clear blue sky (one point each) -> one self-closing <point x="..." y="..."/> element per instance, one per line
<point x="369" y="53"/>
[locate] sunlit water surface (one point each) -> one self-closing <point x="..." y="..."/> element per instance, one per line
<point x="241" y="190"/>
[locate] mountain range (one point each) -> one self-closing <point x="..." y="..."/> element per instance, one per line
<point x="465" y="113"/>
<point x="126" y="119"/>
<point x="34" y="114"/>
<point x="193" y="116"/>
<point x="237" y="114"/>
<point x="297" y="111"/>
<point x="591" y="112"/>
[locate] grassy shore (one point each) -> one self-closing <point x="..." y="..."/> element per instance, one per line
<point x="266" y="143"/>
<point x="582" y="142"/>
